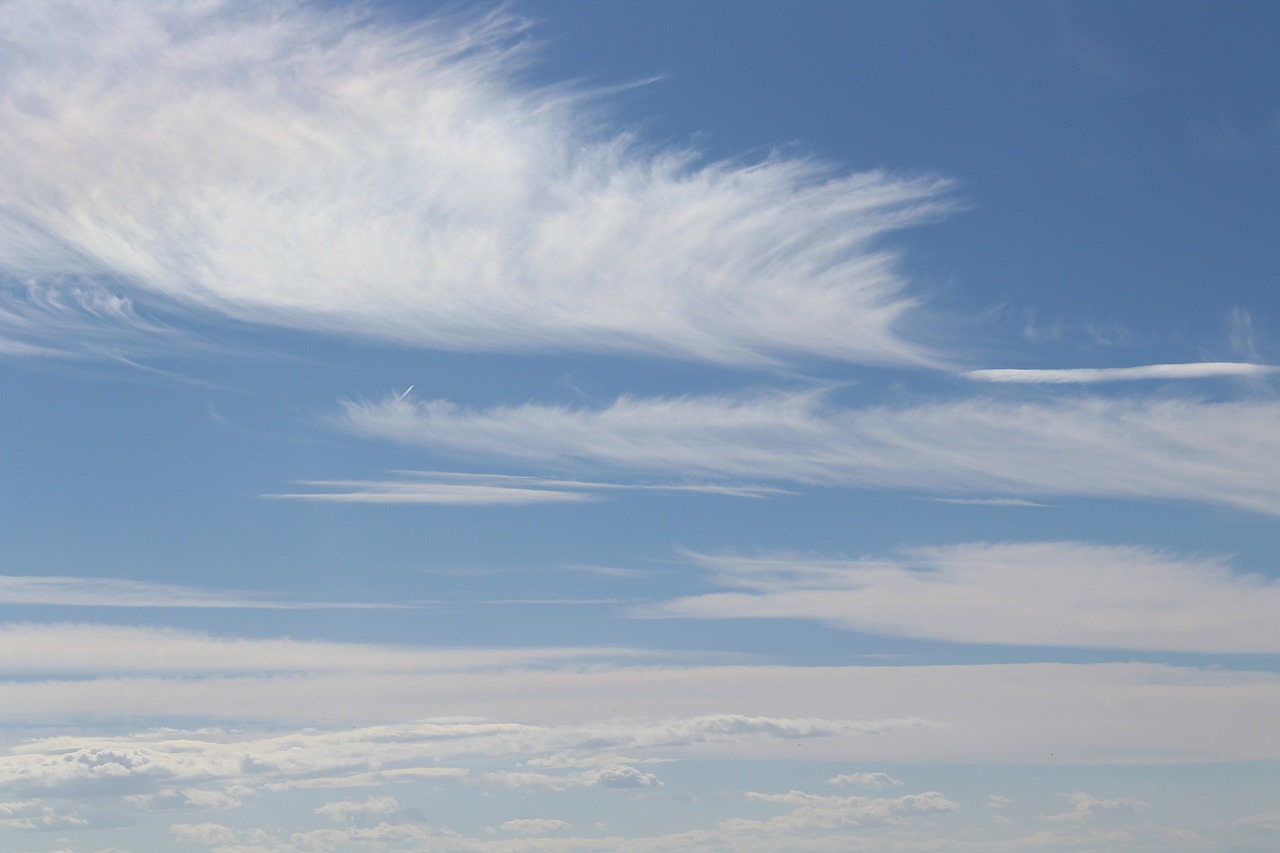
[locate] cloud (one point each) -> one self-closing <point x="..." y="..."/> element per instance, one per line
<point x="322" y="169"/>
<point x="1225" y="453"/>
<point x="101" y="649"/>
<point x="451" y="494"/>
<point x="1041" y="593"/>
<point x="867" y="780"/>
<point x="216" y="769"/>
<point x="988" y="502"/>
<point x="1202" y="370"/>
<point x="116" y="592"/>
<point x="587" y="704"/>
<point x="1086" y="806"/>
<point x="447" y="488"/>
<point x="347" y="810"/>
<point x="534" y="826"/>
<point x="203" y="833"/>
<point x="814" y="811"/>
<point x="610" y="772"/>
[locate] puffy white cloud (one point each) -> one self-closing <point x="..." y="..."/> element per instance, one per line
<point x="1225" y="453"/>
<point x="534" y="826"/>
<point x="612" y="773"/>
<point x="345" y="810"/>
<point x="203" y="833"/>
<point x="1085" y="806"/>
<point x="315" y="168"/>
<point x="39" y="815"/>
<point x="814" y="811"/>
<point x="1040" y="593"/>
<point x="876" y="780"/>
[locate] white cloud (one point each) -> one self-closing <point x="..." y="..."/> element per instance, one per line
<point x="346" y="810"/>
<point x="589" y="705"/>
<point x="1226" y="453"/>
<point x="203" y="833"/>
<point x="988" y="502"/>
<point x="1200" y="370"/>
<point x="281" y="163"/>
<point x="37" y="815"/>
<point x="1040" y="593"/>
<point x="875" y="780"/>
<point x="534" y="826"/>
<point x="438" y="487"/>
<point x="814" y="811"/>
<point x="100" y="649"/>
<point x="116" y="592"/>
<point x="1086" y="806"/>
<point x="613" y="774"/>
<point x="453" y="494"/>
<point x="1266" y="821"/>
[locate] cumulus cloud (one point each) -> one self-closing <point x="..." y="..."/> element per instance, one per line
<point x="320" y="169"/>
<point x="608" y="772"/>
<point x="1038" y="593"/>
<point x="876" y="780"/>
<point x="346" y="810"/>
<point x="1085" y="806"/>
<point x="203" y="833"/>
<point x="1198" y="370"/>
<point x="534" y="826"/>
<point x="815" y="811"/>
<point x="1226" y="453"/>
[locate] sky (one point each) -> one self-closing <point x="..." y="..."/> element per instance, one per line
<point x="671" y="426"/>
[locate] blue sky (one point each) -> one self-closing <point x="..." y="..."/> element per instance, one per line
<point x="638" y="427"/>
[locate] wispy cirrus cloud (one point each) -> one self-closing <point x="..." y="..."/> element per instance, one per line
<point x="1047" y="593"/>
<point x="320" y="169"/>
<point x="1218" y="452"/>
<point x="458" y="489"/>
<point x="1082" y="375"/>
<point x="67" y="591"/>
<point x="87" y="647"/>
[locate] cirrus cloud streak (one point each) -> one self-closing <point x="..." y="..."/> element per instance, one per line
<point x="1225" y="453"/>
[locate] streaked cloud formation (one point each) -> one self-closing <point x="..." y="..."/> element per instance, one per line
<point x="1046" y="593"/>
<point x="458" y="489"/>
<point x="115" y="592"/>
<point x="283" y="164"/>
<point x="1225" y="452"/>
<point x="1201" y="370"/>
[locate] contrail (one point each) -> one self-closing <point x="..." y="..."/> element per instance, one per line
<point x="405" y="394"/>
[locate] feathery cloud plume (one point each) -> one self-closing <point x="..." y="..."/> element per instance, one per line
<point x="317" y="168"/>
